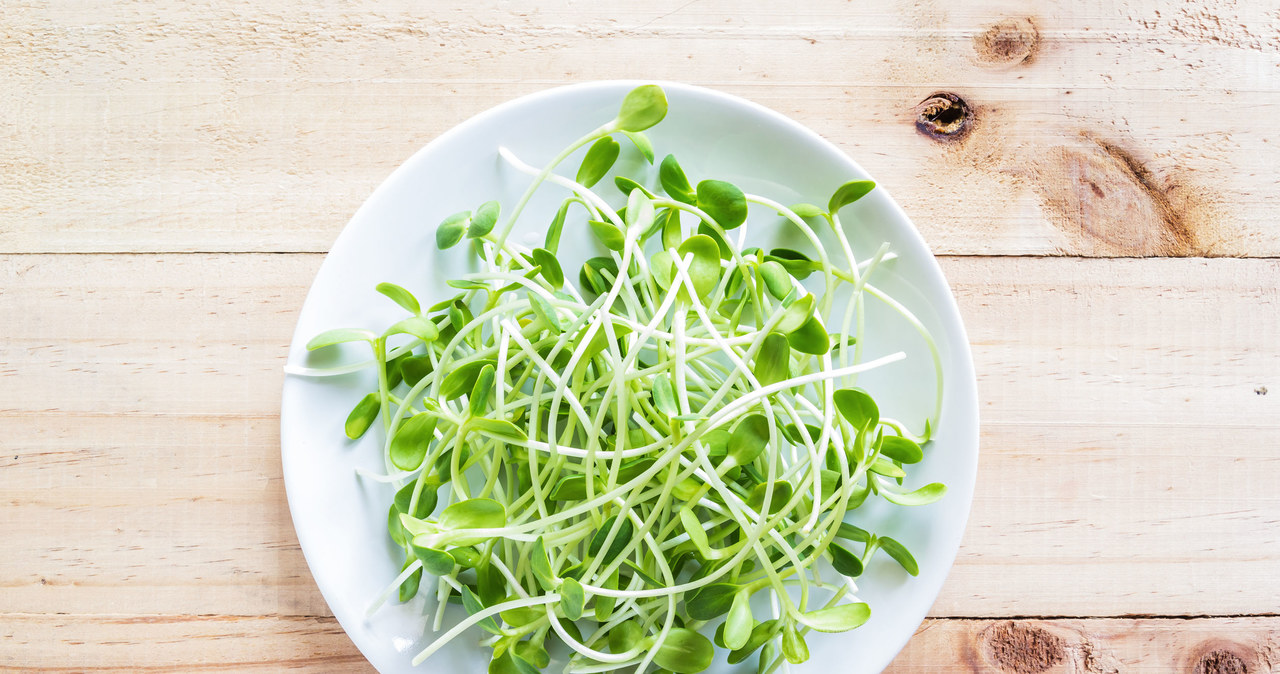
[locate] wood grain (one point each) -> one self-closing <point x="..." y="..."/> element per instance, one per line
<point x="1204" y="646"/>
<point x="1126" y="449"/>
<point x="129" y="643"/>
<point x="1130" y="406"/>
<point x="170" y="643"/>
<point x="1137" y="127"/>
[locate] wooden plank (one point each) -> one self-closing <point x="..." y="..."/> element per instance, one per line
<point x="128" y="643"/>
<point x="1202" y="646"/>
<point x="1127" y="438"/>
<point x="1128" y="449"/>
<point x="166" y="643"/>
<point x="154" y="438"/>
<point x="1139" y="127"/>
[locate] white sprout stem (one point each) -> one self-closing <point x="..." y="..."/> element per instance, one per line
<point x="729" y="410"/>
<point x="682" y="271"/>
<point x="510" y="221"/>
<point x="928" y="338"/>
<point x="726" y="412"/>
<point x="395" y="585"/>
<point x="577" y="188"/>
<point x="338" y="370"/>
<point x="475" y="619"/>
<point x="828" y="272"/>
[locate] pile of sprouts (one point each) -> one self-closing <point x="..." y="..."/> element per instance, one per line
<point x="604" y="467"/>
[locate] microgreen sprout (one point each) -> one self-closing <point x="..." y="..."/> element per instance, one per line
<point x="617" y="463"/>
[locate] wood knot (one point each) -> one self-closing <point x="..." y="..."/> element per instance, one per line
<point x="1109" y="203"/>
<point x="944" y="116"/>
<point x="1220" y="662"/>
<point x="1022" y="648"/>
<point x="1009" y="42"/>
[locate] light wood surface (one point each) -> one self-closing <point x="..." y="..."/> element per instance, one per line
<point x="130" y="643"/>
<point x="154" y="156"/>
<point x="267" y="124"/>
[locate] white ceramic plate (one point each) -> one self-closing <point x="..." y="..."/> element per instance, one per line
<point x="340" y="518"/>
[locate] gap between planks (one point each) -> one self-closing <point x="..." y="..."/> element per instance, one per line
<point x="65" y="643"/>
<point x="940" y="256"/>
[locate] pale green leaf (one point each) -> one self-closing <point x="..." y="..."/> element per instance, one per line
<point x="737" y="627"/>
<point x="773" y="361"/>
<point x="485" y="218"/>
<point x="776" y="279"/>
<point x="684" y="651"/>
<point x="610" y="236"/>
<point x="807" y="210"/>
<point x="340" y="336"/>
<point x="451" y="231"/>
<point x="417" y="326"/>
<point x="839" y="618"/>
<point x="551" y="269"/>
<point x="704" y="269"/>
<point x="600" y="158"/>
<point x="643" y="107"/>
<point x="572" y="598"/>
<point x="674" y="181"/>
<point x="400" y="296"/>
<point x="930" y="493"/>
<point x="796" y="314"/>
<point x="362" y="415"/>
<point x="642" y="143"/>
<point x="748" y="440"/>
<point x="849" y="193"/>
<point x="412" y="438"/>
<point x="475" y="513"/>
<point x="810" y="338"/>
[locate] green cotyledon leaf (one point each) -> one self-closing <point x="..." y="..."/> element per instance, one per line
<point x="340" y="336"/>
<point x="460" y="380"/>
<point x="858" y="408"/>
<point x="400" y="296"/>
<point x="452" y="229"/>
<point x="413" y="437"/>
<point x="900" y="449"/>
<point x="600" y="158"/>
<point x="704" y="263"/>
<point x="748" y="440"/>
<point x="674" y="182"/>
<point x="643" y="107"/>
<point x="760" y="634"/>
<point x="485" y="218"/>
<point x="685" y="651"/>
<point x="475" y="513"/>
<point x="711" y="601"/>
<point x="362" y="415"/>
<point x="550" y="266"/>
<point x="737" y="627"/>
<point x="839" y="618"/>
<point x="642" y="143"/>
<point x="849" y="193"/>
<point x="900" y="554"/>
<point x="572" y="598"/>
<point x="723" y="201"/>
<point x="773" y="361"/>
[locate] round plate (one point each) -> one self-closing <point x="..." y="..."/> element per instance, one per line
<point x="340" y="517"/>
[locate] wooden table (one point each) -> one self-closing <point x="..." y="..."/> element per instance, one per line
<point x="1098" y="178"/>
